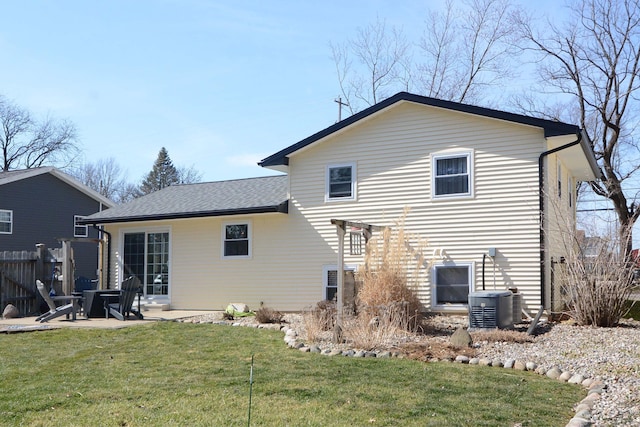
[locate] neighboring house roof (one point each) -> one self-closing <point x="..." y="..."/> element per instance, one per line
<point x="551" y="128"/>
<point x="17" y="175"/>
<point x="235" y="197"/>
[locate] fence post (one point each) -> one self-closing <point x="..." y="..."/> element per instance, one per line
<point x="67" y="267"/>
<point x="41" y="252"/>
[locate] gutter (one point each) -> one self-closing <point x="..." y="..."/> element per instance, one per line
<point x="543" y="250"/>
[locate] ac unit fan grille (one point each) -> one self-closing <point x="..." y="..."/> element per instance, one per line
<point x="483" y="317"/>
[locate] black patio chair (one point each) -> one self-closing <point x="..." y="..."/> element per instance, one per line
<point x="123" y="308"/>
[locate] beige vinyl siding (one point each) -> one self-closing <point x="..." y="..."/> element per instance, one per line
<point x="560" y="223"/>
<point x="392" y="153"/>
<point x="393" y="157"/>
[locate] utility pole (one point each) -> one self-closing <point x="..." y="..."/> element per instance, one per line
<point x="340" y="104"/>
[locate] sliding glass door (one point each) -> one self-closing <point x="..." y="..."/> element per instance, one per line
<point x="146" y="255"/>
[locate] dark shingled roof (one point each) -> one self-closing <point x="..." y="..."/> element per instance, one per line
<point x="235" y="197"/>
<point x="551" y="128"/>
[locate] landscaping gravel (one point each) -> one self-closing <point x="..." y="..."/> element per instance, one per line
<point x="611" y="355"/>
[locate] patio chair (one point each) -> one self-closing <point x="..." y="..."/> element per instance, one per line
<point x="123" y="308"/>
<point x="63" y="310"/>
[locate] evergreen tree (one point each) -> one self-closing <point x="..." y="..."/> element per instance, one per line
<point x="162" y="175"/>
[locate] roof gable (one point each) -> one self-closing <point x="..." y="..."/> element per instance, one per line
<point x="21" y="174"/>
<point x="550" y="128"/>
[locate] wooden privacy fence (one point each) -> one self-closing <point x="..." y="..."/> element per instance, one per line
<point x="19" y="271"/>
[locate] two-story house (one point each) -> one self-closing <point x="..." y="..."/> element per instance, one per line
<point x="475" y="179"/>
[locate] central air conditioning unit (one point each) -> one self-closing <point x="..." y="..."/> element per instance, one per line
<point x="490" y="310"/>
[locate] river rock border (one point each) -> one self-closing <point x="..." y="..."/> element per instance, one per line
<point x="583" y="409"/>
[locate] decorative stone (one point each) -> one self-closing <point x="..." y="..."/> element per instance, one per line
<point x="484" y="362"/>
<point x="461" y="338"/>
<point x="531" y="366"/>
<point x="474" y="361"/>
<point x="565" y="376"/>
<point x="462" y="359"/>
<point x="496" y="363"/>
<point x="384" y="354"/>
<point x="587" y="382"/>
<point x="359" y="353"/>
<point x="576" y="379"/>
<point x="508" y="364"/>
<point x="554" y="373"/>
<point x="305" y="349"/>
<point x="578" y="422"/>
<point x="10" y="312"/>
<point x="519" y="366"/>
<point x="370" y="354"/>
<point x="541" y="370"/>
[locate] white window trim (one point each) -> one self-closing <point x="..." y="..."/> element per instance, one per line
<point x="559" y="179"/>
<point x="354" y="179"/>
<point x="570" y="191"/>
<point x="76" y="227"/>
<point x="249" y="238"/>
<point x="325" y="275"/>
<point x="10" y="221"/>
<point x="470" y="170"/>
<point x="121" y="274"/>
<point x="434" y="296"/>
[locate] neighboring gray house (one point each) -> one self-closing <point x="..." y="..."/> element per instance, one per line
<point x="42" y="205"/>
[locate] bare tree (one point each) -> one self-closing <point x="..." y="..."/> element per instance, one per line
<point x="466" y="50"/>
<point x="593" y="61"/>
<point x="27" y="143"/>
<point x="107" y="178"/>
<point x="381" y="56"/>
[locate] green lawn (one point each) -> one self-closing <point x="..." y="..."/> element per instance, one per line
<point x="179" y="374"/>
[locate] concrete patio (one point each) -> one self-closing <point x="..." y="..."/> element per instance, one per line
<point x="24" y="324"/>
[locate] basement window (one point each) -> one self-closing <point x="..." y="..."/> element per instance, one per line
<point x="452" y="283"/>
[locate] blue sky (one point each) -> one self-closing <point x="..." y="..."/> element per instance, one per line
<point x="220" y="84"/>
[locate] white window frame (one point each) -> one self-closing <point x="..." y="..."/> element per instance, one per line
<point x="559" y="180"/>
<point x="469" y="154"/>
<point x="354" y="174"/>
<point x="325" y="276"/>
<point x="249" y="239"/>
<point x="570" y="190"/>
<point x="121" y="274"/>
<point x="434" y="285"/>
<point x="77" y="227"/>
<point x="10" y="222"/>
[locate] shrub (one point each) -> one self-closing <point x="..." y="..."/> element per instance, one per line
<point x="379" y="328"/>
<point x="268" y="315"/>
<point x="318" y="320"/>
<point x="386" y="283"/>
<point x="595" y="276"/>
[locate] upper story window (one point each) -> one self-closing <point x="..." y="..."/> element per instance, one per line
<point x="79" y="230"/>
<point x="452" y="175"/>
<point x="236" y="241"/>
<point x="6" y="221"/>
<point x="341" y="182"/>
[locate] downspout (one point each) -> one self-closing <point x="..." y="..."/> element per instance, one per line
<point x="102" y="230"/>
<point x="541" y="202"/>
